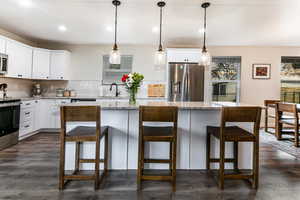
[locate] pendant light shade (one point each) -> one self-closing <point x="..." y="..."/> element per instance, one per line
<point x="205" y="58"/>
<point x="160" y="54"/>
<point x="115" y="56"/>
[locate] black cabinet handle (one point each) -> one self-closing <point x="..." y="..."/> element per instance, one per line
<point x="27" y="126"/>
<point x="19" y="75"/>
<point x="27" y="113"/>
<point x="28" y="104"/>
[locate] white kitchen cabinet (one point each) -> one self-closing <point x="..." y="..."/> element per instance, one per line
<point x="27" y="119"/>
<point x="41" y="64"/>
<point x="56" y="111"/>
<point x="59" y="64"/>
<point x="183" y="55"/>
<point x="45" y="116"/>
<point x="2" y="45"/>
<point x="19" y="59"/>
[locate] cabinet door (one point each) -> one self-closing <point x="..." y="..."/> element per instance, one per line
<point x="45" y="113"/>
<point x="2" y="45"/>
<point x="56" y="111"/>
<point x="190" y="56"/>
<point x="41" y="64"/>
<point x="37" y="110"/>
<point x="59" y="63"/>
<point x="19" y="60"/>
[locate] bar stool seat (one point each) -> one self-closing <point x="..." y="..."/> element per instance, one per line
<point x="85" y="133"/>
<point x="153" y="133"/>
<point x="232" y="133"/>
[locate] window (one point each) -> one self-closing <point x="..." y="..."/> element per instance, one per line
<point x="113" y="73"/>
<point x="225" y="78"/>
<point x="290" y="79"/>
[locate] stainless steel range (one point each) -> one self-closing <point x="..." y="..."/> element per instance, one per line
<point x="9" y="122"/>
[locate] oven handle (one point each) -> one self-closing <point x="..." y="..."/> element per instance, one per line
<point x="9" y="104"/>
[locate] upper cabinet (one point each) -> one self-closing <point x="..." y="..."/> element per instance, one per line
<point x="34" y="63"/>
<point x="19" y="59"/>
<point x="59" y="64"/>
<point x="2" y="45"/>
<point x="41" y="64"/>
<point x="184" y="55"/>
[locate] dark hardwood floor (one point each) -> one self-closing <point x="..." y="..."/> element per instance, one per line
<point x="29" y="170"/>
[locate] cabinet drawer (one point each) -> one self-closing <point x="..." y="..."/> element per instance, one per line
<point x="25" y="128"/>
<point x="26" y="115"/>
<point x="27" y="104"/>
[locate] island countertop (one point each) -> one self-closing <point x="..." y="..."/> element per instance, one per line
<point x="121" y="105"/>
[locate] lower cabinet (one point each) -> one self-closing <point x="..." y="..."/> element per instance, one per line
<point x="27" y="118"/>
<point x="39" y="114"/>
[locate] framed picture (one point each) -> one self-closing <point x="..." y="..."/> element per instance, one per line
<point x="261" y="71"/>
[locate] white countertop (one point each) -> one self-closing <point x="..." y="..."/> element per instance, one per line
<point x="117" y="105"/>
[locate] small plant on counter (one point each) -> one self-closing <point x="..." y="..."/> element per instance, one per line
<point x="132" y="83"/>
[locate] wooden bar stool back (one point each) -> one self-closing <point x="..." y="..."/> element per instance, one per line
<point x="79" y="135"/>
<point x="235" y="134"/>
<point x="157" y="134"/>
<point x="269" y="104"/>
<point x="293" y="121"/>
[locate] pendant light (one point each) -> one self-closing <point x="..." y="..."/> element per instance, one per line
<point x="115" y="57"/>
<point x="160" y="55"/>
<point x="205" y="58"/>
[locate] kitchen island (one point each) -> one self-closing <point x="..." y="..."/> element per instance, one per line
<point x="123" y="119"/>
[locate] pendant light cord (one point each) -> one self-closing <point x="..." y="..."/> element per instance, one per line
<point x="116" y="23"/>
<point x="204" y="42"/>
<point x="160" y="32"/>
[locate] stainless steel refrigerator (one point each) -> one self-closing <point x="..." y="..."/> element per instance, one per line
<point x="186" y="82"/>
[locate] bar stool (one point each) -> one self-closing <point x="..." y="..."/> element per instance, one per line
<point x="292" y="121"/>
<point x="235" y="134"/>
<point x="79" y="135"/>
<point x="157" y="134"/>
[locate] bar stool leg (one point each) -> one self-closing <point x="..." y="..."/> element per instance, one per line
<point x="255" y="164"/>
<point x="62" y="164"/>
<point x="97" y="163"/>
<point x="296" y="135"/>
<point x="77" y="157"/>
<point x="207" y="150"/>
<point x="139" y="172"/>
<point x="171" y="156"/>
<point x="174" y="147"/>
<point x="106" y="154"/>
<point x="236" y="155"/>
<point x="222" y="160"/>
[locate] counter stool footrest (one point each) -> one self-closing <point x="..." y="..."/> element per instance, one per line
<point x="79" y="177"/>
<point x="166" y="161"/>
<point x="238" y="176"/>
<point x="90" y="161"/>
<point x="216" y="160"/>
<point x="156" y="178"/>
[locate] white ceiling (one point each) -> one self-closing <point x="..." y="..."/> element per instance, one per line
<point x="230" y="22"/>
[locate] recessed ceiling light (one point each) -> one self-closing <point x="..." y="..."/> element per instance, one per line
<point x="109" y="28"/>
<point x="26" y="3"/>
<point x="155" y="29"/>
<point x="62" y="28"/>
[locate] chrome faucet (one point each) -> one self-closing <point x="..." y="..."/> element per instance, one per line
<point x="117" y="89"/>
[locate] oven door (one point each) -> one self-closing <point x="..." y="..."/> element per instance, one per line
<point x="9" y="119"/>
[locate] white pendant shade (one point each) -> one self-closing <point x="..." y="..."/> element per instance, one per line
<point x="205" y="59"/>
<point x="115" y="57"/>
<point x="160" y="58"/>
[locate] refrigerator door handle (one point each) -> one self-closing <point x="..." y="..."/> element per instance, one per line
<point x="177" y="87"/>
